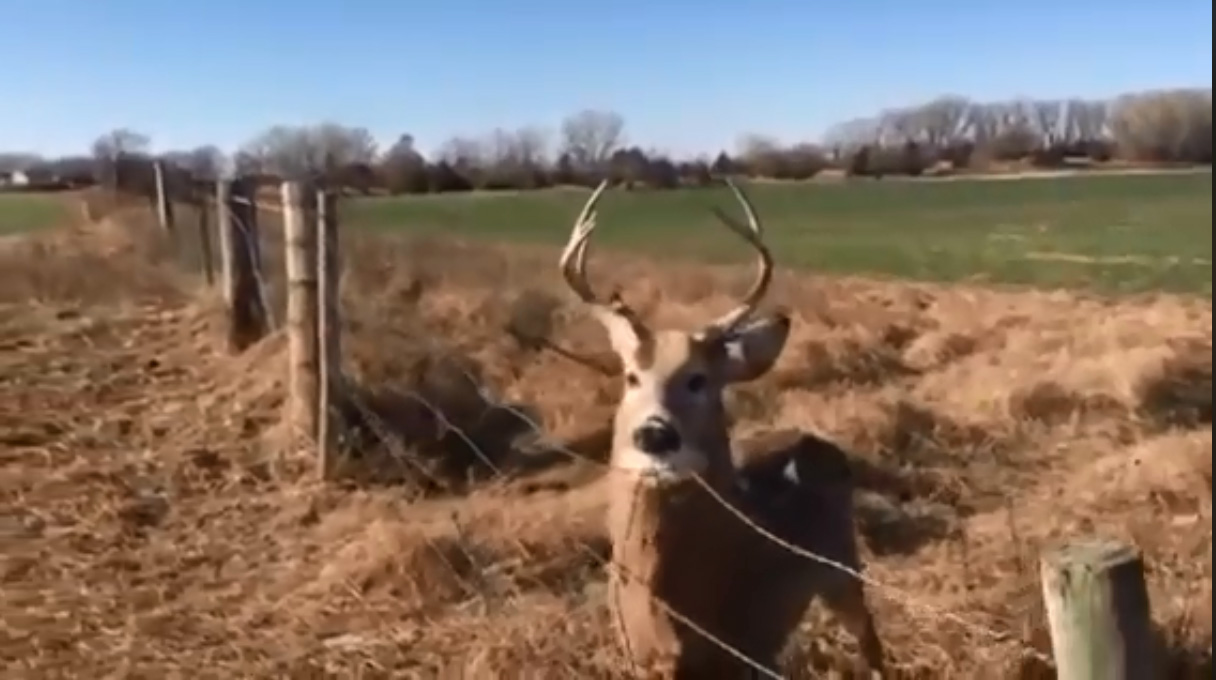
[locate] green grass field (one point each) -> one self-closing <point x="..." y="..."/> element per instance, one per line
<point x="1115" y="233"/>
<point x="24" y="212"/>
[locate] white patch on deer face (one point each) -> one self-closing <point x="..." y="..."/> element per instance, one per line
<point x="668" y="406"/>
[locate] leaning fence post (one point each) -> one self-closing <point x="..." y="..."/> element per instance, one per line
<point x="1098" y="612"/>
<point x="164" y="207"/>
<point x="241" y="262"/>
<point x="300" y="234"/>
<point x="206" y="255"/>
<point x="329" y="332"/>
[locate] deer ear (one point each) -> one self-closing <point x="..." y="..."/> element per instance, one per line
<point x="753" y="349"/>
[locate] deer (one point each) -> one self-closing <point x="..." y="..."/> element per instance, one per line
<point x="695" y="592"/>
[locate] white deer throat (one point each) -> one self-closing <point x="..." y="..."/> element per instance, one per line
<point x="682" y="465"/>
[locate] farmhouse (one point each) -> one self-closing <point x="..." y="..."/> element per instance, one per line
<point x="15" y="178"/>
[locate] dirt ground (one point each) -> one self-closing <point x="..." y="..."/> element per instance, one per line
<point x="157" y="522"/>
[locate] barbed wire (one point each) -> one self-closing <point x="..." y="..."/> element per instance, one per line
<point x="382" y="431"/>
<point x="904" y="597"/>
<point x="892" y="592"/>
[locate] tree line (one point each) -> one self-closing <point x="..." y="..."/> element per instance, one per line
<point x="947" y="134"/>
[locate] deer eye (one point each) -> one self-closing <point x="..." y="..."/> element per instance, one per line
<point x="696" y="382"/>
<point x="631" y="379"/>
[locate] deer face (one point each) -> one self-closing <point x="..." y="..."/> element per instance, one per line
<point x="671" y="422"/>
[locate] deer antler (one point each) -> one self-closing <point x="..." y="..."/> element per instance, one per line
<point x="753" y="233"/>
<point x="573" y="265"/>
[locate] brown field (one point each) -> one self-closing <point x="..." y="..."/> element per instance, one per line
<point x="157" y="523"/>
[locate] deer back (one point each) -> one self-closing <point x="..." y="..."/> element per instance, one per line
<point x="799" y="488"/>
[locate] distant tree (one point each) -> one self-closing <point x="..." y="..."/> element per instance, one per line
<point x="696" y="173"/>
<point x="404" y="168"/>
<point x="120" y="142"/>
<point x="119" y="156"/>
<point x="859" y="162"/>
<point x="311" y="151"/>
<point x="564" y="171"/>
<point x="590" y="137"/>
<point x="662" y="173"/>
<point x="204" y="163"/>
<point x="628" y="166"/>
<point x="802" y="161"/>
<point x="912" y="161"/>
<point x="444" y="177"/>
<point x="724" y="165"/>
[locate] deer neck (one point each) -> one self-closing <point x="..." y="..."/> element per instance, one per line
<point x="672" y="542"/>
<point x="649" y="516"/>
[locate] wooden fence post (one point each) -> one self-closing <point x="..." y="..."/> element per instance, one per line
<point x="164" y="207"/>
<point x="300" y="234"/>
<point x="241" y="263"/>
<point x="206" y="255"/>
<point x="1098" y="611"/>
<point x="227" y="280"/>
<point x="329" y="332"/>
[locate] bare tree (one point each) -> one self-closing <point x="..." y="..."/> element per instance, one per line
<point x="942" y="121"/>
<point x="121" y="162"/>
<point x="899" y="126"/>
<point x="120" y="142"/>
<point x="299" y="152"/>
<point x="760" y="154"/>
<point x="523" y="147"/>
<point x="983" y="123"/>
<point x="205" y="162"/>
<point x="752" y="145"/>
<point x="339" y="145"/>
<point x="1048" y="119"/>
<point x="1169" y="125"/>
<point x="531" y="146"/>
<point x="590" y="137"/>
<point x="246" y="163"/>
<point x="1088" y="120"/>
<point x="464" y="153"/>
<point x="852" y="134"/>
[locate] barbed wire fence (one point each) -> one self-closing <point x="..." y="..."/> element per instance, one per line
<point x="320" y="395"/>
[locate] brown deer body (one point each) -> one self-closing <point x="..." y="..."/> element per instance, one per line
<point x="694" y="587"/>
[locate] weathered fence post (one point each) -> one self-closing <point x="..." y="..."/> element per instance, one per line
<point x="240" y="255"/>
<point x="227" y="279"/>
<point x="206" y="255"/>
<point x="1098" y="611"/>
<point x="300" y="234"/>
<point x="329" y="332"/>
<point x="164" y="207"/>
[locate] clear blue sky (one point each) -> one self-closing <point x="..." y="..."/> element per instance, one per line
<point x="687" y="76"/>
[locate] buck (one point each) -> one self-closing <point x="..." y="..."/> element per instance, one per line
<point x="695" y="591"/>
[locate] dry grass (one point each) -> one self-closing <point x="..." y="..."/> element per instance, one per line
<point x="156" y="523"/>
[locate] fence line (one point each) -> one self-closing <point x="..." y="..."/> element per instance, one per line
<point x="1085" y="642"/>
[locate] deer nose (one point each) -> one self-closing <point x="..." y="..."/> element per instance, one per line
<point x="656" y="437"/>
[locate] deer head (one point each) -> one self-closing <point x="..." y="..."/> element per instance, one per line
<point x="670" y="423"/>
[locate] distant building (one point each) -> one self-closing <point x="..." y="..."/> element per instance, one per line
<point x="16" y="178"/>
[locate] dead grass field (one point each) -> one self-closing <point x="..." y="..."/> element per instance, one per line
<point x="154" y="522"/>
